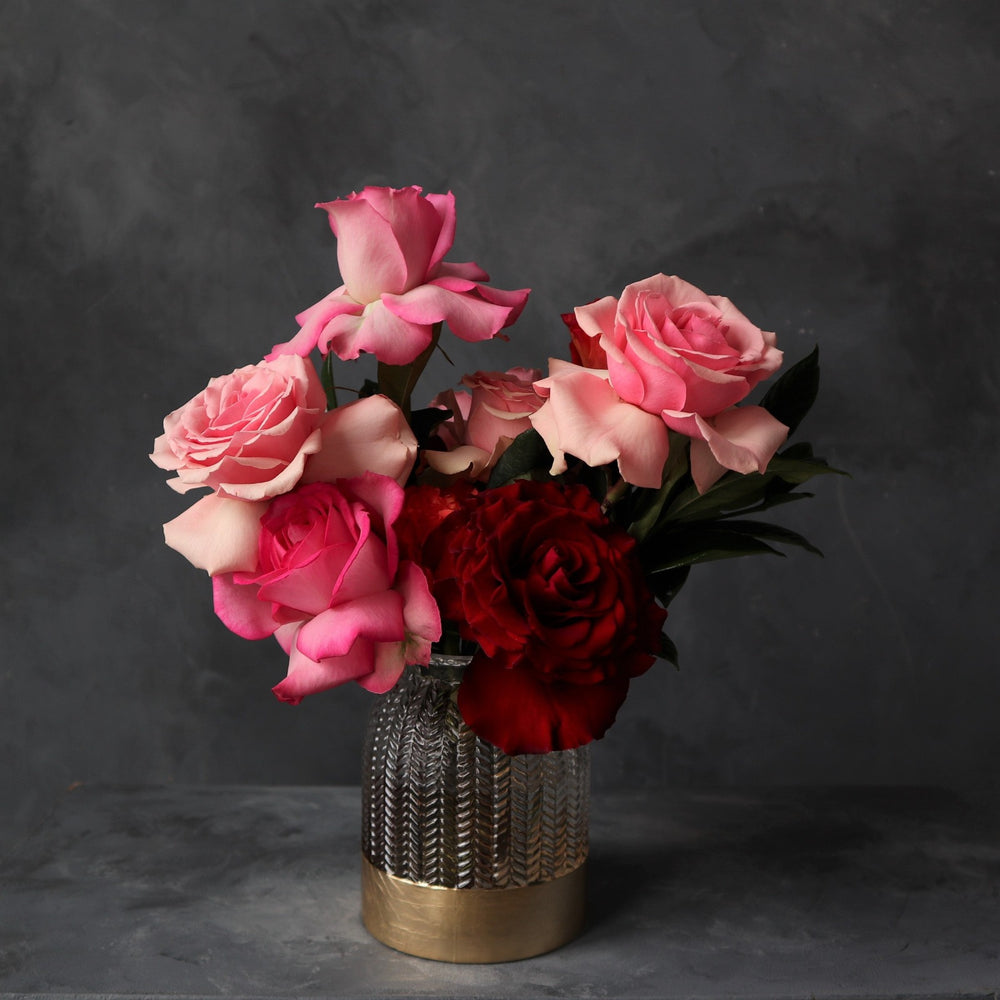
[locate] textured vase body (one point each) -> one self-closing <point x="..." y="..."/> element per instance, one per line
<point x="505" y="837"/>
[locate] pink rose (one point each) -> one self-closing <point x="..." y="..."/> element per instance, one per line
<point x="681" y="356"/>
<point x="219" y="534"/>
<point x="671" y="347"/>
<point x="390" y="247"/>
<point x="329" y="585"/>
<point x="584" y="351"/>
<point x="368" y="435"/>
<point x="585" y="417"/>
<point x="484" y="423"/>
<point x="247" y="434"/>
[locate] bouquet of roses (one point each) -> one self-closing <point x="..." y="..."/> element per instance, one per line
<point x="541" y="524"/>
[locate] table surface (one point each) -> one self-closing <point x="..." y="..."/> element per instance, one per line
<point x="254" y="892"/>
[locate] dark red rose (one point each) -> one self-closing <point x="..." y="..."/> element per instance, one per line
<point x="555" y="597"/>
<point x="424" y="508"/>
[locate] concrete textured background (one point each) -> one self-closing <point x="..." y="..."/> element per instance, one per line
<point x="831" y="166"/>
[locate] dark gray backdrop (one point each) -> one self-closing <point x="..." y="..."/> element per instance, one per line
<point x="832" y="167"/>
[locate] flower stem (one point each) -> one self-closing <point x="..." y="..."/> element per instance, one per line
<point x="398" y="381"/>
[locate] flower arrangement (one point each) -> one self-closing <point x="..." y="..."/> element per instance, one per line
<point x="541" y="524"/>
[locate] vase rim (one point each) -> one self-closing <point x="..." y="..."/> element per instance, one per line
<point x="453" y="660"/>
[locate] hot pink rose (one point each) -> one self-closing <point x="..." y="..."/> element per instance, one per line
<point x="219" y="534"/>
<point x="247" y="434"/>
<point x="682" y="356"/>
<point x="484" y="423"/>
<point x="329" y="585"/>
<point x="390" y="247"/>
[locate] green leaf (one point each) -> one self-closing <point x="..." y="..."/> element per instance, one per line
<point x="525" y="456"/>
<point x="800" y="470"/>
<point x="425" y="422"/>
<point x="667" y="584"/>
<point x="326" y="378"/>
<point x="772" y="533"/>
<point x="702" y="544"/>
<point x="801" y="449"/>
<point x="651" y="502"/>
<point x="774" y="499"/>
<point x="735" y="493"/>
<point x="792" y="396"/>
<point x="668" y="650"/>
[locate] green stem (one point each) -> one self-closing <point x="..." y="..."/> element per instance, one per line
<point x="326" y="378"/>
<point x="398" y="381"/>
<point x="614" y="495"/>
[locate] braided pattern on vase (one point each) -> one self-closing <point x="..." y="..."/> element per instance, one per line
<point x="443" y="807"/>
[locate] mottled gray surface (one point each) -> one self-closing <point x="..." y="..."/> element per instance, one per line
<point x="255" y="892"/>
<point x="832" y="166"/>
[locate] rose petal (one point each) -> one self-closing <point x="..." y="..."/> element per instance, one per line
<point x="444" y="205"/>
<point x="217" y="534"/>
<point x="598" y="317"/>
<point x="421" y="614"/>
<point x="378" y="617"/>
<point x="743" y="439"/>
<point x="468" y="270"/>
<point x="585" y="417"/>
<point x="314" y="320"/>
<point x="468" y="314"/>
<point x="391" y="339"/>
<point x="520" y="712"/>
<point x="307" y="676"/>
<point x="240" y="608"/>
<point x="467" y="460"/>
<point x="369" y="254"/>
<point x="370" y="434"/>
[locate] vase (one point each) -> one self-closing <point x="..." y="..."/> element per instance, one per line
<point x="469" y="855"/>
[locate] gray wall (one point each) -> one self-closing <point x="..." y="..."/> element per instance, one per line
<point x="831" y="166"/>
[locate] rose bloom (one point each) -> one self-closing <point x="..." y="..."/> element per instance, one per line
<point x="219" y="534"/>
<point x="247" y="434"/>
<point x="483" y="424"/>
<point x="329" y="585"/>
<point x="555" y="597"/>
<point x="391" y="245"/>
<point x="424" y="508"/>
<point x="676" y="358"/>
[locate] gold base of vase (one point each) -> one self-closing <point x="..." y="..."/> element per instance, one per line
<point x="472" y="925"/>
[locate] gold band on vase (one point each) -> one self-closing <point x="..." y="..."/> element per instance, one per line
<point x="472" y="925"/>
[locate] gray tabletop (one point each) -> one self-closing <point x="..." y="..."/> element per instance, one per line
<point x="254" y="892"/>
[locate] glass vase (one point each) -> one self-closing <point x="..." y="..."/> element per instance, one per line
<point x="469" y="855"/>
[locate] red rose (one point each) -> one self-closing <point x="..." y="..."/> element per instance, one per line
<point x="424" y="508"/>
<point x="555" y="597"/>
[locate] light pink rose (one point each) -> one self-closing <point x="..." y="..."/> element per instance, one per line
<point x="585" y="417"/>
<point x="390" y="247"/>
<point x="219" y="534"/>
<point x="329" y="585"/>
<point x="678" y="354"/>
<point x="670" y="346"/>
<point x="368" y="435"/>
<point x="247" y="434"/>
<point x="484" y="423"/>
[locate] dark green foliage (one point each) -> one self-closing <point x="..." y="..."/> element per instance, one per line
<point x="791" y="397"/>
<point x="527" y="457"/>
